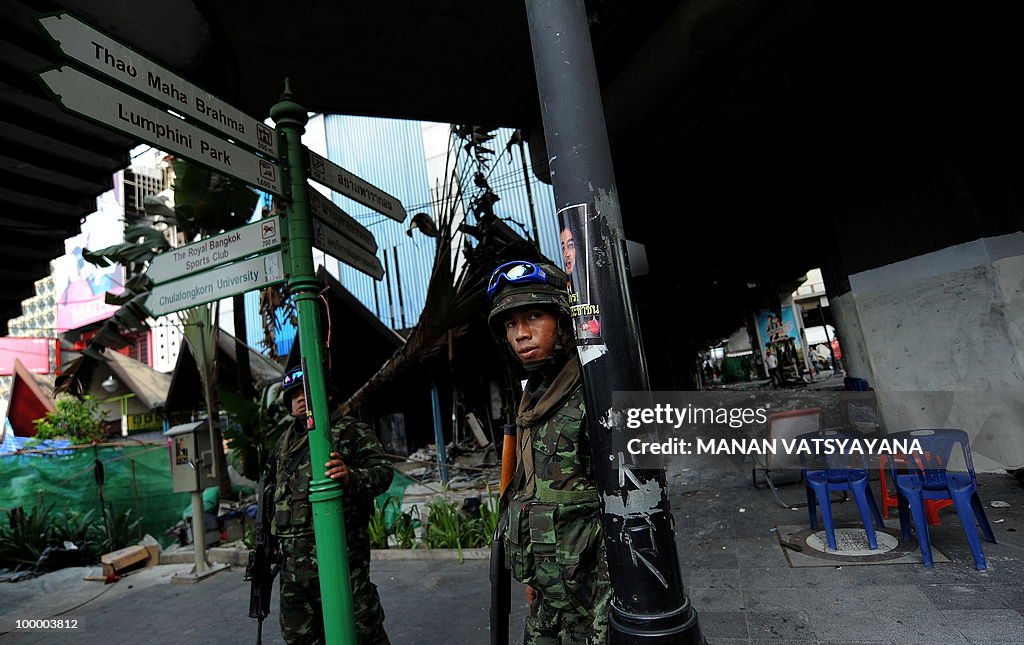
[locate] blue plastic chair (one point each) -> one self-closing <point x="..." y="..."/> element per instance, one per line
<point x="926" y="478"/>
<point x="854" y="384"/>
<point x="840" y="472"/>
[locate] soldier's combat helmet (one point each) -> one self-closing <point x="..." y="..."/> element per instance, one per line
<point x="521" y="283"/>
<point x="292" y="383"/>
<point x="531" y="284"/>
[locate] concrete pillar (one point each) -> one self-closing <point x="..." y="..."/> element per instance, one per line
<point x="940" y="337"/>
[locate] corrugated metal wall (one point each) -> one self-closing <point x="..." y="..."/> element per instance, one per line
<point x="285" y="335"/>
<point x="389" y="154"/>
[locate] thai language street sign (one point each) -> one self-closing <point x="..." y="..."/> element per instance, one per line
<point x="323" y="171"/>
<point x="337" y="245"/>
<point x="108" y="106"/>
<point x="330" y="214"/>
<point x="214" y="251"/>
<point x="82" y="43"/>
<point x="222" y="282"/>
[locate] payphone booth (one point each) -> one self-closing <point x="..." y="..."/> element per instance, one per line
<point x="193" y="468"/>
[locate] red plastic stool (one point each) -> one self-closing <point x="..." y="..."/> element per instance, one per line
<point x="932" y="506"/>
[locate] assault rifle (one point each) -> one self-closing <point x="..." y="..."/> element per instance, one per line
<point x="262" y="567"/>
<point x="501" y="578"/>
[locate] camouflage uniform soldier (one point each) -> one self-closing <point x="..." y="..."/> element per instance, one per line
<point x="551" y="510"/>
<point x="359" y="465"/>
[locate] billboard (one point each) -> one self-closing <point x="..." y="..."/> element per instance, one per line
<point x="772" y="328"/>
<point x="34" y="354"/>
<point x="80" y="287"/>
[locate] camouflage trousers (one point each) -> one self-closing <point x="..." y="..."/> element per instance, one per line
<point x="301" y="615"/>
<point x="572" y="603"/>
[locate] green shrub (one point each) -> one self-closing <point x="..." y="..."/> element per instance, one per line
<point x="25" y="536"/>
<point x="377" y="528"/>
<point x="489" y="517"/>
<point x="75" y="527"/>
<point x="78" y="420"/>
<point x="117" y="531"/>
<point x="447" y="527"/>
<point x="402" y="529"/>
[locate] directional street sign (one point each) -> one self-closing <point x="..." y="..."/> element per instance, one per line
<point x="328" y="213"/>
<point x="110" y="107"/>
<point x="333" y="243"/>
<point x="105" y="55"/>
<point x="213" y="251"/>
<point x="215" y="284"/>
<point x="323" y="171"/>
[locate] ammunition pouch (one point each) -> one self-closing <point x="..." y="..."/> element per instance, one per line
<point x="299" y="512"/>
<point x="545" y="537"/>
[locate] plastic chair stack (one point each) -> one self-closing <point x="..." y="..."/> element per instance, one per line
<point x="840" y="472"/>
<point x="890" y="498"/>
<point x="928" y="479"/>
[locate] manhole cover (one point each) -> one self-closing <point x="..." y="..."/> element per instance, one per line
<point x="808" y="548"/>
<point x="853" y="542"/>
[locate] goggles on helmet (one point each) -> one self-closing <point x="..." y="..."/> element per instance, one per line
<point x="519" y="272"/>
<point x="292" y="379"/>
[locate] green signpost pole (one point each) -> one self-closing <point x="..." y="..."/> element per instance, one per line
<point x="328" y="523"/>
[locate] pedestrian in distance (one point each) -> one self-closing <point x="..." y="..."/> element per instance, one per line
<point x="550" y="512"/>
<point x="772" y="363"/>
<point x="358" y="463"/>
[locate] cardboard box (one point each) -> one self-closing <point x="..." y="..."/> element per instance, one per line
<point x="124" y="559"/>
<point x="153" y="547"/>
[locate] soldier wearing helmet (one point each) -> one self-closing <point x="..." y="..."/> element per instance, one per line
<point x="359" y="465"/>
<point x="551" y="509"/>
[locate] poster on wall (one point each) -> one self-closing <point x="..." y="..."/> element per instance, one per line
<point x="80" y="287"/>
<point x="578" y="233"/>
<point x="773" y="328"/>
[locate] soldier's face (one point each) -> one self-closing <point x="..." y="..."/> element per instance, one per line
<point x="299" y="405"/>
<point x="531" y="333"/>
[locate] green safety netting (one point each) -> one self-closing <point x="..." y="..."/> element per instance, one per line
<point x="390" y="501"/>
<point x="136" y="477"/>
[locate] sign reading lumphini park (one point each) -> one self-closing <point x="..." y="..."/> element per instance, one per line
<point x="101" y="53"/>
<point x="108" y="106"/>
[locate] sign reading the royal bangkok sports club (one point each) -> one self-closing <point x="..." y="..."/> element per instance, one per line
<point x="213" y="251"/>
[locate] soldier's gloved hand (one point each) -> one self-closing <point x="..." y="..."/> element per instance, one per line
<point x="531" y="595"/>
<point x="336" y="469"/>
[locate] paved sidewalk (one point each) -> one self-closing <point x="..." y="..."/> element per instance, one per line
<point x="740" y="580"/>
<point x="735" y="571"/>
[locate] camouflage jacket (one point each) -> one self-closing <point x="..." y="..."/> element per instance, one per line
<point x="289" y="476"/>
<point x="552" y="510"/>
